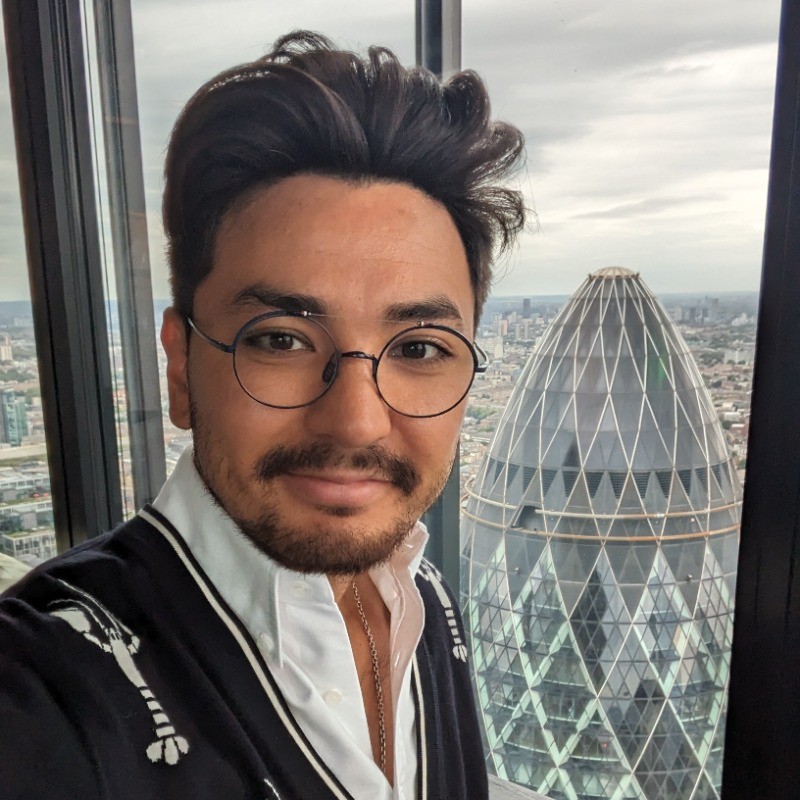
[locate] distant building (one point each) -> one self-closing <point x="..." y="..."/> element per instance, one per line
<point x="26" y="516"/>
<point x="29" y="546"/>
<point x="743" y="355"/>
<point x="741" y="319"/>
<point x="599" y="545"/>
<point x="13" y="417"/>
<point x="713" y="310"/>
<point x="526" y="308"/>
<point x="6" y="350"/>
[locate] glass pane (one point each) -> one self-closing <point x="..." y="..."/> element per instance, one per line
<point x="648" y="131"/>
<point x="26" y="510"/>
<point x="224" y="35"/>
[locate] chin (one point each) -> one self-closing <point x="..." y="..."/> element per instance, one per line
<point x="339" y="546"/>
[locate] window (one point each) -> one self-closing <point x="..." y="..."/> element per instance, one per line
<point x="26" y="509"/>
<point x="170" y="68"/>
<point x="625" y="395"/>
<point x="648" y="140"/>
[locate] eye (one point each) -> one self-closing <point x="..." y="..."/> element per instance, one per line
<point x="419" y="350"/>
<point x="276" y="341"/>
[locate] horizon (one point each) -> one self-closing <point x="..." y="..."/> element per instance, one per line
<point x="699" y="293"/>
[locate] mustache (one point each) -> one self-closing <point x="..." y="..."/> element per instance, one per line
<point x="321" y="455"/>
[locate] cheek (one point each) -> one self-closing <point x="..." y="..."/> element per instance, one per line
<point x="237" y="427"/>
<point x="434" y="440"/>
<point x="214" y="389"/>
<point x="221" y="416"/>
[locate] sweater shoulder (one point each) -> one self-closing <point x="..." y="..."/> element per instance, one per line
<point x="105" y="561"/>
<point x="112" y="575"/>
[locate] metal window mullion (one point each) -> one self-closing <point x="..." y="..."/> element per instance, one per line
<point x="51" y="125"/>
<point x="438" y="48"/>
<point x="117" y="78"/>
<point x="763" y="729"/>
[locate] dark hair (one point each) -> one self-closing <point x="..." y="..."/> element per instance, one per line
<point x="309" y="108"/>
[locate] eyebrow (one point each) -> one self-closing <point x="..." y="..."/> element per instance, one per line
<point x="259" y="294"/>
<point x="437" y="308"/>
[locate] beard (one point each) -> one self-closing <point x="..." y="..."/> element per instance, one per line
<point x="339" y="545"/>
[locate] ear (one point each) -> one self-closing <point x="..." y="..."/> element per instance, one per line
<point x="176" y="346"/>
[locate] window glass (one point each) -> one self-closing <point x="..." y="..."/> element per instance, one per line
<point x="26" y="510"/>
<point x="170" y="68"/>
<point x="622" y="398"/>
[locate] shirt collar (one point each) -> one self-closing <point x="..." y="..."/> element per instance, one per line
<point x="250" y="582"/>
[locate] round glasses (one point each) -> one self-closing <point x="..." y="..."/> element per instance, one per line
<point x="288" y="360"/>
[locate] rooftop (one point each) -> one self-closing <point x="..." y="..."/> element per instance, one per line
<point x="609" y="273"/>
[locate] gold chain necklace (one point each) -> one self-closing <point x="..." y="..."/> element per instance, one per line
<point x="376" y="674"/>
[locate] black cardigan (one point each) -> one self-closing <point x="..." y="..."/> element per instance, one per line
<point x="124" y="674"/>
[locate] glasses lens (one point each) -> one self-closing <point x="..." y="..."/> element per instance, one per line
<point x="425" y="371"/>
<point x="283" y="361"/>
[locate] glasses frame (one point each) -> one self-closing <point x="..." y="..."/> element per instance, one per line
<point x="480" y="360"/>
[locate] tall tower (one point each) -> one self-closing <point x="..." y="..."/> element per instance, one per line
<point x="599" y="547"/>
<point x="13" y="417"/>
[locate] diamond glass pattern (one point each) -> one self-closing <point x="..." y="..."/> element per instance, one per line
<point x="601" y="623"/>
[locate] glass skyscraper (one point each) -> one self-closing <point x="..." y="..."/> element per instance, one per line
<point x="599" y="546"/>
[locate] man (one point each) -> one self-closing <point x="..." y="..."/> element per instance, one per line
<point x="268" y="628"/>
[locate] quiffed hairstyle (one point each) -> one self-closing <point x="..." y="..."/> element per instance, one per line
<point x="307" y="107"/>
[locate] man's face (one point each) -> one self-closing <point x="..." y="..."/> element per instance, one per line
<point x="333" y="487"/>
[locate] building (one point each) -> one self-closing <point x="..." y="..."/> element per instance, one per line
<point x="740" y="355"/>
<point x="6" y="348"/>
<point x="13" y="417"/>
<point x="29" y="547"/>
<point x="599" y="545"/>
<point x="526" y="308"/>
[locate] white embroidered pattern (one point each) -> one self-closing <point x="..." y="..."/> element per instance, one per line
<point x="272" y="789"/>
<point x="434" y="577"/>
<point x="86" y="615"/>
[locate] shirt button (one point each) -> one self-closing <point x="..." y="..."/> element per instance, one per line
<point x="332" y="697"/>
<point x="300" y="590"/>
<point x="266" y="643"/>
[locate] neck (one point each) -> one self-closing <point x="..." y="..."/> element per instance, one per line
<point x="368" y="625"/>
<point x="340" y="584"/>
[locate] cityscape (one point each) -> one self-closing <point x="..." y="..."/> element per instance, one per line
<point x="719" y="330"/>
<point x="599" y="544"/>
<point x="601" y="464"/>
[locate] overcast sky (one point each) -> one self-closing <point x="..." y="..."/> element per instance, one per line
<point x="647" y="123"/>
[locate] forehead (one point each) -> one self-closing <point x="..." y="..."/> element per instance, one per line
<point x="358" y="248"/>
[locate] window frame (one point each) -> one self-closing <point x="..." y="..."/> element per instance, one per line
<point x="128" y="222"/>
<point x="47" y="76"/>
<point x="47" y="73"/>
<point x="763" y="725"/>
<point x="438" y="48"/>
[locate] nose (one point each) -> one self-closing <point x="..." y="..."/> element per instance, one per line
<point x="351" y="412"/>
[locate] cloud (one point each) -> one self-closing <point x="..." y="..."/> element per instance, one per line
<point x="641" y="208"/>
<point x="648" y="134"/>
<point x="648" y="123"/>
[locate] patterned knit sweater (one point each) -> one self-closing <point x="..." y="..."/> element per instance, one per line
<point x="124" y="675"/>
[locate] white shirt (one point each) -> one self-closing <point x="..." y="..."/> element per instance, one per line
<point x="301" y="634"/>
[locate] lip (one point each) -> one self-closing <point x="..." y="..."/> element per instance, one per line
<point x="336" y="488"/>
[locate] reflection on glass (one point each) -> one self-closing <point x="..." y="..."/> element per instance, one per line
<point x="611" y="592"/>
<point x="219" y="40"/>
<point x="26" y="510"/>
